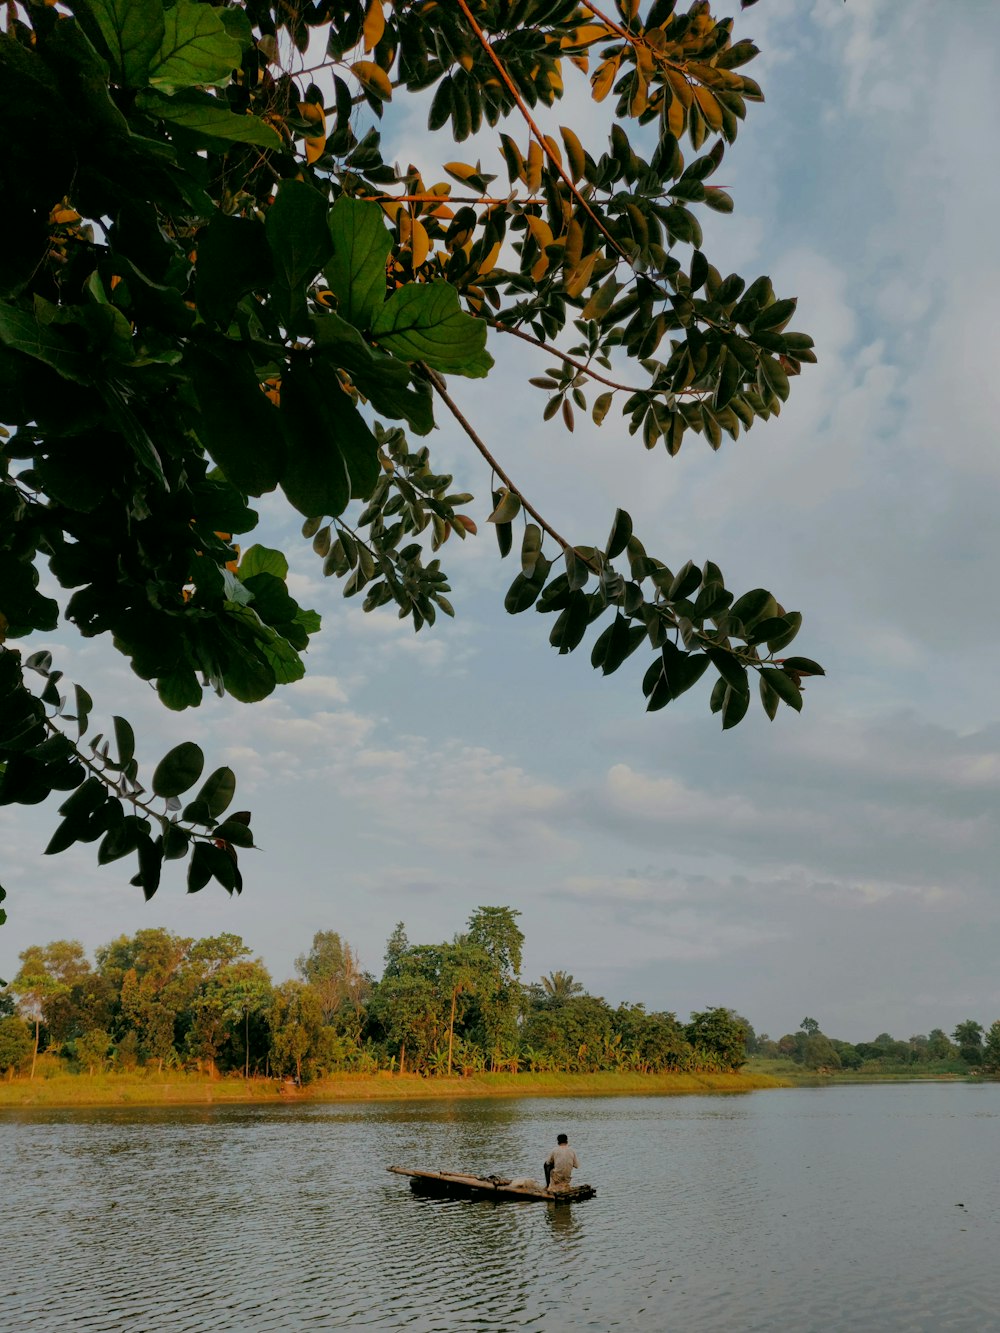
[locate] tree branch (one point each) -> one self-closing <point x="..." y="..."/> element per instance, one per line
<point x="438" y="385"/>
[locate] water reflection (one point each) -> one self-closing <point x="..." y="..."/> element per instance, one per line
<point x="812" y="1210"/>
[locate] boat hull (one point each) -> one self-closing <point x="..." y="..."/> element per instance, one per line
<point x="459" y="1185"/>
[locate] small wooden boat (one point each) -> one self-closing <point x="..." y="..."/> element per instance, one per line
<point x="461" y="1185"/>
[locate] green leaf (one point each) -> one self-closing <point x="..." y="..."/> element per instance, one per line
<point x="804" y="666"/>
<point x="361" y="246"/>
<point x="20" y="330"/>
<point x="72" y="828"/>
<point x="757" y="604"/>
<point x="238" y="426"/>
<point x="176" y="841"/>
<point x="531" y="545"/>
<point x="731" y="671"/>
<point x="684" y="582"/>
<point x="734" y="707"/>
<point x="571" y="623"/>
<point x="234" y="831"/>
<point x="783" y="686"/>
<point x="770" y="627"/>
<point x="199" y="867"/>
<point x="507" y="507"/>
<point x="84" y="706"/>
<point x="179" y="769"/>
<point x="196" y="49"/>
<point x="523" y="592"/>
<point x="768" y="698"/>
<point x="262" y="560"/>
<point x="271" y="600"/>
<point x="124" y="740"/>
<point x="385" y="381"/>
<point x="731" y="375"/>
<point x="425" y="322"/>
<point x="601" y="406"/>
<point x="771" y="376"/>
<point x="775" y="316"/>
<point x="132" y="30"/>
<point x="621" y="531"/>
<point x="179" y="689"/>
<point x="332" y="453"/>
<point x="132" y="430"/>
<point x="233" y="258"/>
<point x="205" y="114"/>
<point x="793" y="621"/>
<point x="150" y="865"/>
<point x="615" y="644"/>
<point x="87" y="798"/>
<point x="299" y="237"/>
<point x="682" y="670"/>
<point x="122" y="838"/>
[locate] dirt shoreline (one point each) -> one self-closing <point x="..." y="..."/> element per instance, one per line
<point x="69" y="1091"/>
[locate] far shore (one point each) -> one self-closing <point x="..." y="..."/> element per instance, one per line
<point x="179" y="1089"/>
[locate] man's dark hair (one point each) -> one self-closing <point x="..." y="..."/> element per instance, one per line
<point x="562" y="1138"/>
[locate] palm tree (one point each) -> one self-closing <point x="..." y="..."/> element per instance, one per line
<point x="560" y="986"/>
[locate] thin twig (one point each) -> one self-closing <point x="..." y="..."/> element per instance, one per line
<point x="438" y="385"/>
<point x="539" y="136"/>
<point x="562" y="356"/>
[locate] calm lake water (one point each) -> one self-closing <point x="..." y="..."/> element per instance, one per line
<point x="815" y="1210"/>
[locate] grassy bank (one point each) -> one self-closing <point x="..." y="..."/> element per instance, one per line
<point x="69" y="1090"/>
<point x="787" y="1071"/>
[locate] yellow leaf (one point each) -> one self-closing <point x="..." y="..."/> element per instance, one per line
<point x="574" y="244"/>
<point x="461" y="170"/>
<point x="534" y="172"/>
<point x="539" y="267"/>
<point x="373" y="79"/>
<point x="553" y="148"/>
<point x="316" y="143"/>
<point x="604" y="77"/>
<point x="638" y="103"/>
<point x="489" y="263"/>
<point x="540" y="230"/>
<point x="709" y="108"/>
<point x="574" y="151"/>
<point x="587" y="34"/>
<point x="374" y="25"/>
<point x="676" y="118"/>
<point x="420" y="243"/>
<point x="680" y="87"/>
<point x="580" y="277"/>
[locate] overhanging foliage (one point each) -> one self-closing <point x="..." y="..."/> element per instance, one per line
<point x="212" y="286"/>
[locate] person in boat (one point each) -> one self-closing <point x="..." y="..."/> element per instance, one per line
<point x="560" y="1164"/>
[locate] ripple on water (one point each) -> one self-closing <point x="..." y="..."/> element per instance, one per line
<point x="807" y="1210"/>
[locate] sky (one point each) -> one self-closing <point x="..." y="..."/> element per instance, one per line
<point x="840" y="863"/>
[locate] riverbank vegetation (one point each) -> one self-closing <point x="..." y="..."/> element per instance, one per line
<point x="809" y="1054"/>
<point x="168" y="1005"/>
<point x="55" y="1088"/>
<point x="160" y="1017"/>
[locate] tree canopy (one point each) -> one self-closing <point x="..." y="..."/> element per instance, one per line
<point x="213" y="286"/>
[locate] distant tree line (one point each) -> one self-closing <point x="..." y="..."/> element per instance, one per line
<point x="161" y="1001"/>
<point x="970" y="1046"/>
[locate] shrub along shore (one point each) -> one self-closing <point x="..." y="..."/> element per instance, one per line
<point x="141" y="1089"/>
